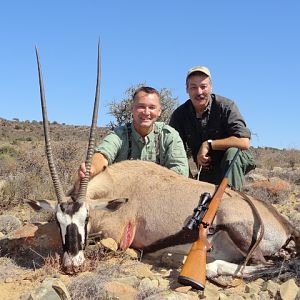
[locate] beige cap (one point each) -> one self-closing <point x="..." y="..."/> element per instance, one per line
<point x="199" y="69"/>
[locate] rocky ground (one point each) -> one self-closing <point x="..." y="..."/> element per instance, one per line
<point x="29" y="274"/>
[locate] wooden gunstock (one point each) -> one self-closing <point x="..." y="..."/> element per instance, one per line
<point x="214" y="204"/>
<point x="193" y="272"/>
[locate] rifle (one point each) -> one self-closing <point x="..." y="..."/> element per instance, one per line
<point x="192" y="274"/>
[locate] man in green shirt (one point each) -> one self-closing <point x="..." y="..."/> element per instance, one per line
<point x="144" y="138"/>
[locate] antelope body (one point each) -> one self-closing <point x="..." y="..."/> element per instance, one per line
<point x="141" y="205"/>
<point x="159" y="202"/>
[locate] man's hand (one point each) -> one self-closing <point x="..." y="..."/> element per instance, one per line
<point x="80" y="174"/>
<point x="82" y="170"/>
<point x="99" y="163"/>
<point x="202" y="157"/>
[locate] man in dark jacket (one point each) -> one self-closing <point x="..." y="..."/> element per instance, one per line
<point x="212" y="128"/>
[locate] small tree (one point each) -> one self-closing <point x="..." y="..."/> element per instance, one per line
<point x="121" y="110"/>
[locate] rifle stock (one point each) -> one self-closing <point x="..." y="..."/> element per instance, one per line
<point x="193" y="272"/>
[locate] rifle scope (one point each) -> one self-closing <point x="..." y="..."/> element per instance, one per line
<point x="199" y="212"/>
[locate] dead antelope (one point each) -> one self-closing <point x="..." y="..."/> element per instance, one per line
<point x="145" y="206"/>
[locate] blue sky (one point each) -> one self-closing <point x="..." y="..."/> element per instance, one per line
<point x="251" y="47"/>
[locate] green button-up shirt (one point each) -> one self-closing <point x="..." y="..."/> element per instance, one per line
<point x="170" y="149"/>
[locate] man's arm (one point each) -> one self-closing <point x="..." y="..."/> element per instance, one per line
<point x="203" y="158"/>
<point x="241" y="143"/>
<point x="105" y="153"/>
<point x="238" y="135"/>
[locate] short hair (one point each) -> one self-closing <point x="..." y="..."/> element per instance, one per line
<point x="147" y="90"/>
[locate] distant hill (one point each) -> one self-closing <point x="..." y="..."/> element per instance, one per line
<point x="15" y="130"/>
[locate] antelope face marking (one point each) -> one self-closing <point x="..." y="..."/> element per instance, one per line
<point x="72" y="218"/>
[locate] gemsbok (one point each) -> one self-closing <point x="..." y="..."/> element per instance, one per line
<point x="145" y="206"/>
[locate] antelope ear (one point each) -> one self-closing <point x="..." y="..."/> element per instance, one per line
<point x="111" y="205"/>
<point x="116" y="204"/>
<point x="38" y="205"/>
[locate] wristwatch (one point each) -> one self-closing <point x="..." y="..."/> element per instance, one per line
<point x="209" y="142"/>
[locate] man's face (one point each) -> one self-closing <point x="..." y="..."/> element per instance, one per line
<point x="145" y="110"/>
<point x="199" y="89"/>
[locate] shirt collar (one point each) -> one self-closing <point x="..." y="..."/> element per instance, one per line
<point x="144" y="140"/>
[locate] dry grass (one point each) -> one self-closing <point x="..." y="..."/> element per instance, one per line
<point x="24" y="168"/>
<point x="115" y="267"/>
<point x="8" y="268"/>
<point x="23" y="164"/>
<point x="273" y="193"/>
<point x="269" y="158"/>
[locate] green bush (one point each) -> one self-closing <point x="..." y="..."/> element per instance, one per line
<point x="8" y="151"/>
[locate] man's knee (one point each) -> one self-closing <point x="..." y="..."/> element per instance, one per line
<point x="244" y="160"/>
<point x="229" y="154"/>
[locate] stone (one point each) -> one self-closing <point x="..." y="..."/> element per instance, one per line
<point x="130" y="280"/>
<point x="147" y="283"/>
<point x="264" y="295"/>
<point x="171" y="295"/>
<point x="183" y="289"/>
<point x="118" y="290"/>
<point x="43" y="293"/>
<point x="252" y="288"/>
<point x="223" y="297"/>
<point x="254" y="297"/>
<point x="110" y="244"/>
<point x="211" y="292"/>
<point x="163" y="283"/>
<point x="41" y="236"/>
<point x="259" y="282"/>
<point x="9" y="223"/>
<point x="288" y="290"/>
<point x="50" y="289"/>
<point x="132" y="253"/>
<point x="141" y="271"/>
<point x="272" y="287"/>
<point x="233" y="296"/>
<point x="60" y="288"/>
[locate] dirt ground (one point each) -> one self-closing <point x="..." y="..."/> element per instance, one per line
<point x="17" y="282"/>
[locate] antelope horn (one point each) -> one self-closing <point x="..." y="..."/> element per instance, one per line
<point x="56" y="182"/>
<point x="84" y="181"/>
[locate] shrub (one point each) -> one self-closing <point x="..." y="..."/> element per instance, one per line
<point x="25" y="186"/>
<point x="9" y="151"/>
<point x="18" y="127"/>
<point x="8" y="165"/>
<point x="275" y="192"/>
